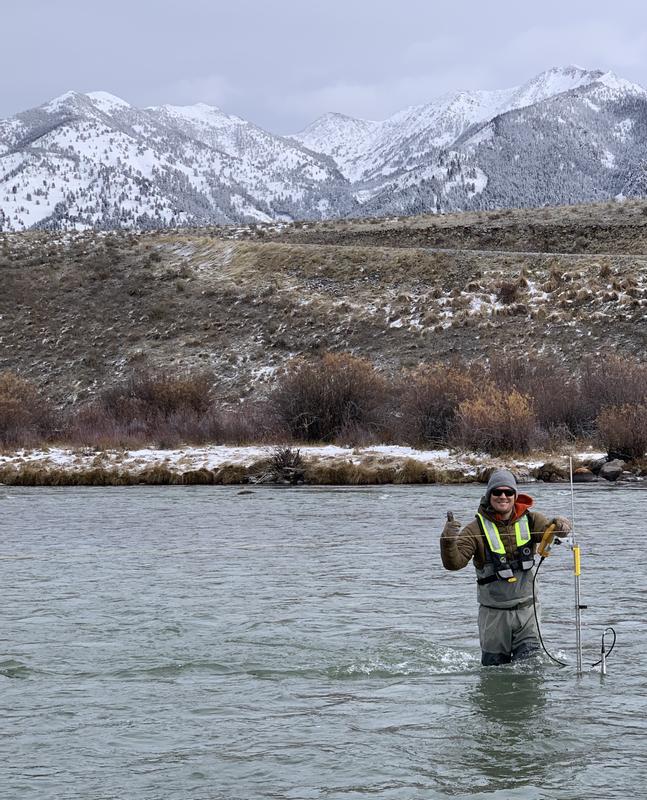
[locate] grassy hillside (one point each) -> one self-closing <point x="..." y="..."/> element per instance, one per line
<point x="77" y="311"/>
<point x="611" y="227"/>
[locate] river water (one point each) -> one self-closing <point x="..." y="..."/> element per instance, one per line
<point x="198" y="643"/>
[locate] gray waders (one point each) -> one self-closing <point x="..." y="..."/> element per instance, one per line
<point x="507" y="627"/>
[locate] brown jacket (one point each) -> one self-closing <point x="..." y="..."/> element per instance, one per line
<point x="457" y="550"/>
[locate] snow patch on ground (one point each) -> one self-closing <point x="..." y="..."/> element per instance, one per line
<point x="211" y="457"/>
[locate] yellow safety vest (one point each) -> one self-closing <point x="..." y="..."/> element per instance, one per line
<point x="523" y="560"/>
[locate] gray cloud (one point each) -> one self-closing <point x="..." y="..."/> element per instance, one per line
<point x="282" y="63"/>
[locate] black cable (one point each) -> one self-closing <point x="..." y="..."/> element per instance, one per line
<point x="608" y="652"/>
<point x="541" y="641"/>
<point x="534" y="608"/>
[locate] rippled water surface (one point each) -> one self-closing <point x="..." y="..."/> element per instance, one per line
<point x="181" y="642"/>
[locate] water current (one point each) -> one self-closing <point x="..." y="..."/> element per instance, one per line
<point x="201" y="643"/>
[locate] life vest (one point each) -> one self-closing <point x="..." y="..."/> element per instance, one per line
<point x="504" y="567"/>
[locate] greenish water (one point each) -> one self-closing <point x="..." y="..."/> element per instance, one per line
<point x="194" y="642"/>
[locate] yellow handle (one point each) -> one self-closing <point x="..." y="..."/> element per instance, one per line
<point x="547" y="540"/>
<point x="576" y="560"/>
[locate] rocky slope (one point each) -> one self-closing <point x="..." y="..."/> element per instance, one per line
<point x="78" y="310"/>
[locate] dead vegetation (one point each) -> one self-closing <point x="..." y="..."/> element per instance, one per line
<point x="80" y="311"/>
<point x="338" y="398"/>
<point x="349" y="331"/>
<point x="508" y="405"/>
<point x="623" y="429"/>
<point x="609" y="227"/>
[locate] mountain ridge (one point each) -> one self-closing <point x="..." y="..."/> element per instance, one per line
<point x="568" y="135"/>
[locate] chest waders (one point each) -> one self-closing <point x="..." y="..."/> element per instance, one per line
<point x="504" y="568"/>
<point x="507" y="629"/>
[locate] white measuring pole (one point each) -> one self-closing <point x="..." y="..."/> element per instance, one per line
<point x="576" y="572"/>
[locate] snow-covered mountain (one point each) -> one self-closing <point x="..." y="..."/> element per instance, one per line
<point x="585" y="144"/>
<point x="92" y="160"/>
<point x="364" y="150"/>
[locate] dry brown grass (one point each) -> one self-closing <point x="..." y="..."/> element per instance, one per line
<point x="158" y="475"/>
<point x="345" y="473"/>
<point x="412" y="471"/>
<point x="27" y="475"/>
<point x="509" y="292"/>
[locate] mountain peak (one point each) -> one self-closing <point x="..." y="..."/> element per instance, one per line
<point x="65" y="100"/>
<point x="199" y="113"/>
<point x="558" y="79"/>
<point x="551" y="82"/>
<point x="102" y="101"/>
<point x="334" y="120"/>
<point x="107" y="102"/>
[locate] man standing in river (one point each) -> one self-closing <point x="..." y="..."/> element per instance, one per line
<point x="501" y="541"/>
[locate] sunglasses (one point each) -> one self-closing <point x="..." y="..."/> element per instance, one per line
<point x="506" y="492"/>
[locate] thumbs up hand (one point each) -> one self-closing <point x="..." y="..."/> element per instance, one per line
<point x="452" y="526"/>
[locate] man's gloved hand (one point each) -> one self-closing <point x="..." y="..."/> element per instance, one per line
<point x="452" y="526"/>
<point x="562" y="526"/>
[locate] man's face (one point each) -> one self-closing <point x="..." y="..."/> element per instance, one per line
<point x="502" y="500"/>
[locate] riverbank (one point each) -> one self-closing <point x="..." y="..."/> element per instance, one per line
<point x="323" y="465"/>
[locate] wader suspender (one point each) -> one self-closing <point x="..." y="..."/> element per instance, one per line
<point x="503" y="568"/>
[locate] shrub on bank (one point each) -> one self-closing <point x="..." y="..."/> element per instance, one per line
<point x="555" y="390"/>
<point x="26" y="418"/>
<point x="126" y="423"/>
<point x="147" y="407"/>
<point x="612" y="381"/>
<point x="337" y="396"/>
<point x="624" y="429"/>
<point x="429" y="397"/>
<point x="507" y="405"/>
<point x="147" y="396"/>
<point x="497" y="422"/>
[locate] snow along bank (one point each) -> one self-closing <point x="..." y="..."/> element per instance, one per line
<point x="208" y="464"/>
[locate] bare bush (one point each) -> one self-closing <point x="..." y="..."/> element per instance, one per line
<point x="147" y="396"/>
<point x="555" y="391"/>
<point x="246" y="423"/>
<point x="252" y="422"/>
<point x="497" y="422"/>
<point x="26" y="417"/>
<point x="322" y="399"/>
<point x="92" y="425"/>
<point x="284" y="466"/>
<point x="429" y="399"/>
<point x="612" y="381"/>
<point x="148" y="407"/>
<point x="624" y="429"/>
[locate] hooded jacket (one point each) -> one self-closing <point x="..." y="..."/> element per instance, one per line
<point x="456" y="551"/>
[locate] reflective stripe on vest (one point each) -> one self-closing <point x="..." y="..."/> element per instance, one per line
<point x="521" y="532"/>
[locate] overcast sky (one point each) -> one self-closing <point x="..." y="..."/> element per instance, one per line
<point x="283" y="63"/>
